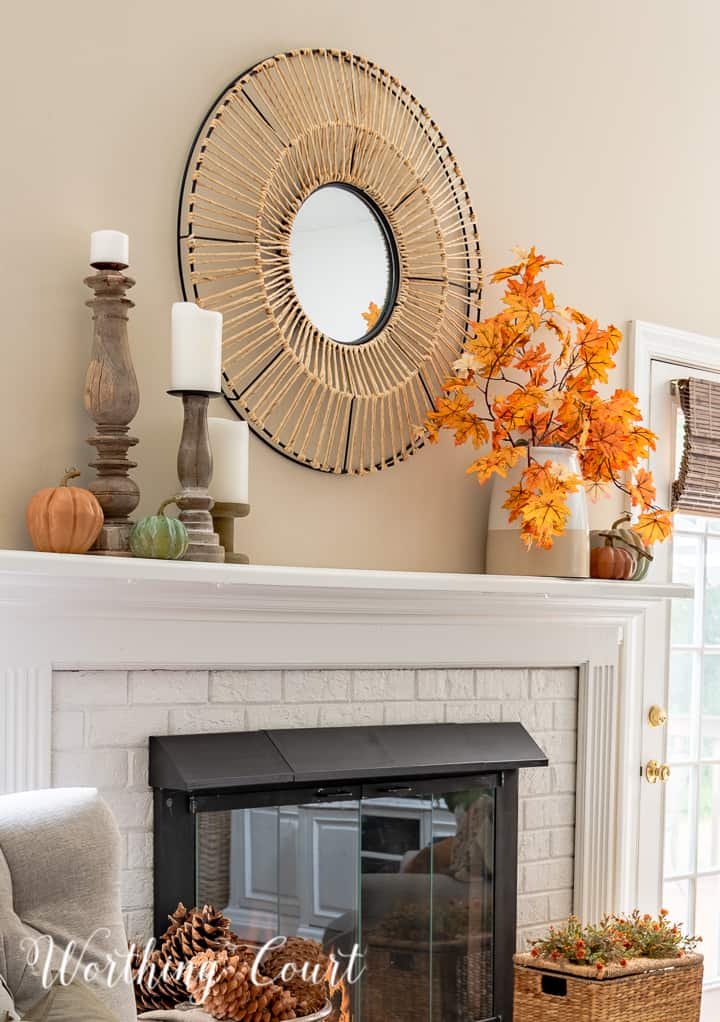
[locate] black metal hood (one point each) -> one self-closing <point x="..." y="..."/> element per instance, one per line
<point x="253" y="760"/>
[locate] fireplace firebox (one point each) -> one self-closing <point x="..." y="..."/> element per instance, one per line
<point x="395" y="847"/>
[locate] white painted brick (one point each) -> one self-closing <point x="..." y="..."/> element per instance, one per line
<point x="564" y="778"/>
<point x="536" y="781"/>
<point x="501" y="684"/>
<point x="565" y="718"/>
<point x="139" y="849"/>
<point x="282" y="715"/>
<point x="529" y="933"/>
<point x="554" y="683"/>
<point x="532" y="908"/>
<point x="89" y="688"/>
<point x="68" y="729"/>
<point x="123" y="850"/>
<point x="536" y="716"/>
<point x="137" y="888"/>
<point x="552" y="811"/>
<point x="131" y="809"/>
<point x="383" y="685"/>
<point x="562" y="841"/>
<point x="553" y="875"/>
<point x="533" y="844"/>
<point x="139" y="926"/>
<point x="451" y="684"/>
<point x="560" y="905"/>
<point x="558" y="746"/>
<point x="126" y="727"/>
<point x="349" y="714"/>
<point x="138" y="768"/>
<point x="316" y="686"/>
<point x="414" y="713"/>
<point x="204" y="719"/>
<point x="246" y="686"/>
<point x="106" y="768"/>
<point x="463" y="713"/>
<point x="170" y="687"/>
<point x="234" y="700"/>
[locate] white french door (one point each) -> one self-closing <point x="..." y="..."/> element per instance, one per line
<point x="680" y="836"/>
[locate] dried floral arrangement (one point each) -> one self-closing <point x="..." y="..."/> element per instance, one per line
<point x="202" y="936"/>
<point x="615" y="940"/>
<point x="533" y="369"/>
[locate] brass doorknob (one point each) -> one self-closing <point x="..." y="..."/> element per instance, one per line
<point x="655" y="772"/>
<point x="657" y="716"/>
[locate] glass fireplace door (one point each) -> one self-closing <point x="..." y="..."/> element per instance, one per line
<point x="403" y="876"/>
<point x="427" y="906"/>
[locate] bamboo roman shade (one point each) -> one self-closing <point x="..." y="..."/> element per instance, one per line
<point x="697" y="487"/>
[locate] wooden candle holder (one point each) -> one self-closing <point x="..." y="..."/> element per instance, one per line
<point x="194" y="465"/>
<point x="224" y="514"/>
<point x="112" y="399"/>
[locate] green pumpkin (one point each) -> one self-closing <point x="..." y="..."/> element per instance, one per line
<point x="159" y="536"/>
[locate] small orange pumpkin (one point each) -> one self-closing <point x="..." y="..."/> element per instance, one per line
<point x="610" y="561"/>
<point x="64" y="519"/>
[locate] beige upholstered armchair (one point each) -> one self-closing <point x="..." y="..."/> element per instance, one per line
<point x="60" y="887"/>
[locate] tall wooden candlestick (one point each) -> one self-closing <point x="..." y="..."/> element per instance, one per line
<point x="194" y="466"/>
<point x="112" y="399"/>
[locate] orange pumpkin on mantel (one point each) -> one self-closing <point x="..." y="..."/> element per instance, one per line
<point x="64" y="519"/>
<point x="610" y="561"/>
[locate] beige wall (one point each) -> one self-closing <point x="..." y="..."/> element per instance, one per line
<point x="588" y="127"/>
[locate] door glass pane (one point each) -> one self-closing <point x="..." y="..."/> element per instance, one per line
<point x="686" y="523"/>
<point x="712" y="592"/>
<point x="680" y="706"/>
<point x="708" y="924"/>
<point x="709" y="820"/>
<point x="679" y="836"/>
<point x="676" y="900"/>
<point x="687" y="558"/>
<point x="711" y="707"/>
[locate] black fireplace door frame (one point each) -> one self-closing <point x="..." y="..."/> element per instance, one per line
<point x="175" y="836"/>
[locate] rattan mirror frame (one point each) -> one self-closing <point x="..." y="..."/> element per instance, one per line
<point x="289" y="125"/>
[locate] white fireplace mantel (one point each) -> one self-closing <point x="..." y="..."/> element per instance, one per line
<point x="91" y="613"/>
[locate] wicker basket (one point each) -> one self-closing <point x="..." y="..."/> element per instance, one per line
<point x="397" y="980"/>
<point x="646" y="990"/>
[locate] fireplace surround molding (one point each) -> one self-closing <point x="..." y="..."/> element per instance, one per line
<point x="82" y="612"/>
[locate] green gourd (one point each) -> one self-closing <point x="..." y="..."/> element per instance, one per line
<point x="160" y="536"/>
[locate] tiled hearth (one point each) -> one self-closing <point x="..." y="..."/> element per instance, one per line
<point x="102" y="721"/>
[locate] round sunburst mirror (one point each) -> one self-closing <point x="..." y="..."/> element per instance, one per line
<point x="325" y="216"/>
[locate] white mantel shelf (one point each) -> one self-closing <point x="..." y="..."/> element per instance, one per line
<point x="27" y="575"/>
<point x="72" y="612"/>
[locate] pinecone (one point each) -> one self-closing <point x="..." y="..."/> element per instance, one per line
<point x="177" y="919"/>
<point x="310" y="996"/>
<point x="158" y="994"/>
<point x="232" y="994"/>
<point x="190" y="932"/>
<point x="198" y="930"/>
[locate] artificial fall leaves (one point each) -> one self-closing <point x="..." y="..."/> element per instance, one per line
<point x="560" y="355"/>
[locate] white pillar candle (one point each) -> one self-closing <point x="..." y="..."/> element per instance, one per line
<point x="196" y="348"/>
<point x="109" y="247"/>
<point x="229" y="440"/>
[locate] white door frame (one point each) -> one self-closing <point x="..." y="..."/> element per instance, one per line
<point x="651" y="343"/>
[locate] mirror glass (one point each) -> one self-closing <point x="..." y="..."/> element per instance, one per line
<point x="342" y="264"/>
